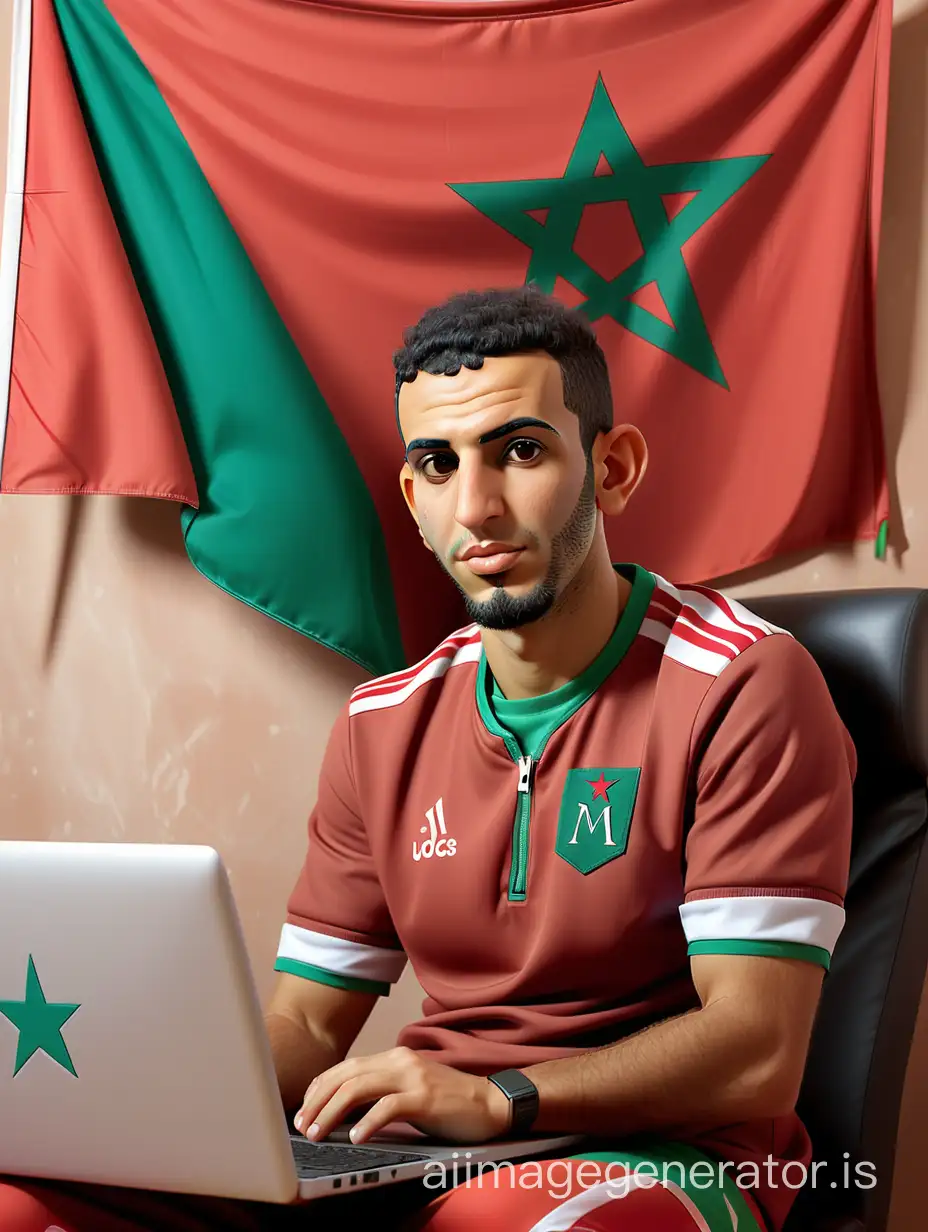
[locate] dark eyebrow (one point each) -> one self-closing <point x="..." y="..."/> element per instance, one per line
<point x="422" y="442"/>
<point x="514" y="425"/>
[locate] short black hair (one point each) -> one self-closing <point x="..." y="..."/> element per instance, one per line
<point x="472" y="325"/>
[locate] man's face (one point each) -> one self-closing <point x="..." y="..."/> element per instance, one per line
<point x="499" y="483"/>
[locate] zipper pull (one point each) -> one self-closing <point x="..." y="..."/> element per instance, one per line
<point x="525" y="774"/>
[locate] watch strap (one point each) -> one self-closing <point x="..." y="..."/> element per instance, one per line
<point x="523" y="1098"/>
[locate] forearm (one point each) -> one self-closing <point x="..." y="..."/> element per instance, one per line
<point x="703" y="1066"/>
<point x="299" y="1056"/>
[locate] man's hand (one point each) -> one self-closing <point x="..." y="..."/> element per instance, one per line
<point x="404" y="1086"/>
<point x="311" y="1027"/>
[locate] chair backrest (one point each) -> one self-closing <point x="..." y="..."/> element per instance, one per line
<point x="872" y="647"/>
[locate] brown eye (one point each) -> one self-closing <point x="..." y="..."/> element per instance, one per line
<point x="524" y="450"/>
<point x="437" y="465"/>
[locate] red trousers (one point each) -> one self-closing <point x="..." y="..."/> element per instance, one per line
<point x="603" y="1193"/>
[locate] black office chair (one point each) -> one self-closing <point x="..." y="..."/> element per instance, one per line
<point x="872" y="647"/>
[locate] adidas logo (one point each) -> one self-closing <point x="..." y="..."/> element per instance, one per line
<point x="437" y="844"/>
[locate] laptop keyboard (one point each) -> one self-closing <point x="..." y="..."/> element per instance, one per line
<point x="314" y="1159"/>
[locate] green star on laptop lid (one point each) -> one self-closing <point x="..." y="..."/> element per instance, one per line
<point x="39" y="1022"/>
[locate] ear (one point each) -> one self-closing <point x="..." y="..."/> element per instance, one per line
<point x="620" y="459"/>
<point x="409" y="496"/>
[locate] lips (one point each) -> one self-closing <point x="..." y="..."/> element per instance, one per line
<point x="493" y="558"/>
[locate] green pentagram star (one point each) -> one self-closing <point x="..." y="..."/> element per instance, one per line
<point x="509" y="202"/>
<point x="39" y="1023"/>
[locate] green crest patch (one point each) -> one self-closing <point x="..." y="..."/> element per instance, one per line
<point x="596" y="813"/>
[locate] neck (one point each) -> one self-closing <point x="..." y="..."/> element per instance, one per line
<point x="544" y="655"/>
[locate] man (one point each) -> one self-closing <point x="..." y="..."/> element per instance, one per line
<point x="608" y="822"/>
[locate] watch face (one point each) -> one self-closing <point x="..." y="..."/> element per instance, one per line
<point x="513" y="1082"/>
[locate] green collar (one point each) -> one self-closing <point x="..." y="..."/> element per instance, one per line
<point x="541" y="716"/>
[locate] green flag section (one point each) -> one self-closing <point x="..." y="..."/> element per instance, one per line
<point x="231" y="210"/>
<point x="39" y="1023"/>
<point x="285" y="521"/>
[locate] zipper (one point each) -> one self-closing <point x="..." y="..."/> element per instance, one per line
<point x="520" y="829"/>
<point x="518" y="871"/>
<point x="518" y="862"/>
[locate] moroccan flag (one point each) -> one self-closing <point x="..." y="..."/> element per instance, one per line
<point x="221" y="215"/>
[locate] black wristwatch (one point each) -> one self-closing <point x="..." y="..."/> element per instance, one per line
<point x="523" y="1099"/>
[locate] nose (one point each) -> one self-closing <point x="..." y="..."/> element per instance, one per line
<point x="479" y="496"/>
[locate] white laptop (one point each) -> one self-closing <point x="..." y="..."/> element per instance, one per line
<point x="161" y="1077"/>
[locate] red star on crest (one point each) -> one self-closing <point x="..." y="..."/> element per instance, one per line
<point x="601" y="787"/>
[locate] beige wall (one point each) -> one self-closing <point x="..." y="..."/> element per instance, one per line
<point x="139" y="703"/>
